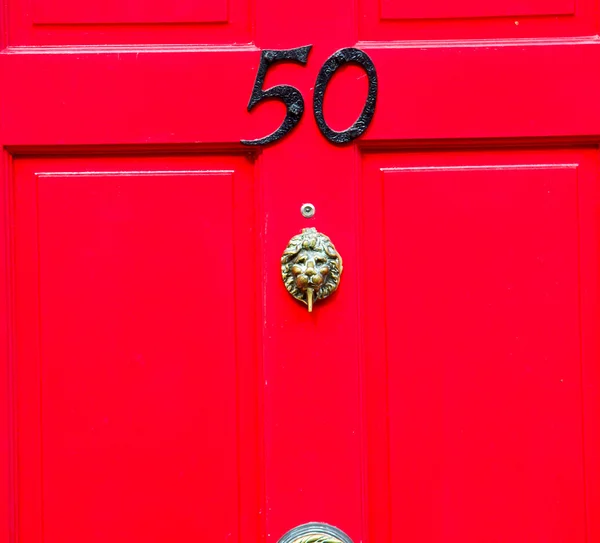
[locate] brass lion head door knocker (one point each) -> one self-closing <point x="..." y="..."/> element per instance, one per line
<point x="311" y="267"/>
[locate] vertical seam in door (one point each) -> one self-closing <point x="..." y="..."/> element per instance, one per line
<point x="236" y="364"/>
<point x="252" y="20"/>
<point x="580" y="338"/>
<point x="260" y="240"/>
<point x="387" y="361"/>
<point x="40" y="356"/>
<point x="3" y="27"/>
<point x="361" y="346"/>
<point x="9" y="210"/>
<point x="355" y="27"/>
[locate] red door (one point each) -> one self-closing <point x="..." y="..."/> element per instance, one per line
<point x="160" y="384"/>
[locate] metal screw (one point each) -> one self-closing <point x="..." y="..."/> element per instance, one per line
<point x="307" y="210"/>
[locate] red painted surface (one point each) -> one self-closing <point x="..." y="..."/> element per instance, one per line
<point x="160" y="384"/>
<point x="128" y="12"/>
<point x="469" y="9"/>
<point x="485" y="422"/>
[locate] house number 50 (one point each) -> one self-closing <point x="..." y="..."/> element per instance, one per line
<point x="294" y="102"/>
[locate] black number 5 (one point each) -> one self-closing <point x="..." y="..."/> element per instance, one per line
<point x="290" y="96"/>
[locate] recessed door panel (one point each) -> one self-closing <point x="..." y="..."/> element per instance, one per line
<point x="469" y="19"/>
<point x="112" y="22"/>
<point x="465" y="9"/>
<point x="129" y="425"/>
<point x="63" y="12"/>
<point x="477" y="352"/>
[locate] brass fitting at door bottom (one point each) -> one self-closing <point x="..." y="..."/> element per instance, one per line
<point x="315" y="532"/>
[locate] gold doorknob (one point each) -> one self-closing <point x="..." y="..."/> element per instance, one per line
<point x="311" y="267"/>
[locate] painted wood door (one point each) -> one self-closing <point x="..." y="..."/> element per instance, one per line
<point x="159" y="383"/>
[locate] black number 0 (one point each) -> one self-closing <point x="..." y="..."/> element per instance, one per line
<point x="350" y="55"/>
<point x="289" y="95"/>
<point x="292" y="98"/>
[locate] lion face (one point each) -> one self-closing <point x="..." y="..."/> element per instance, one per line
<point x="310" y="261"/>
<point x="310" y="269"/>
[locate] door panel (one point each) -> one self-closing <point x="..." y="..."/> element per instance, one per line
<point x="59" y="22"/>
<point x="140" y="116"/>
<point x="478" y="353"/>
<point x="464" y="9"/>
<point x="507" y="98"/>
<point x="128" y="425"/>
<point x="64" y="12"/>
<point x="468" y="19"/>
